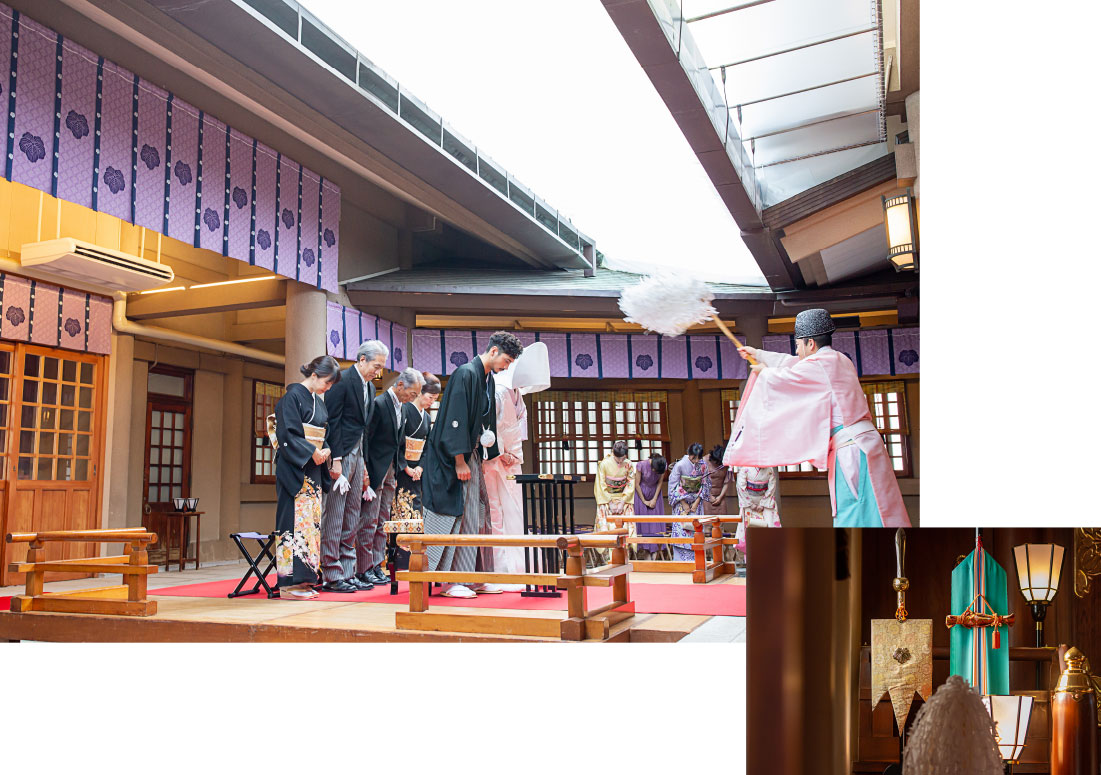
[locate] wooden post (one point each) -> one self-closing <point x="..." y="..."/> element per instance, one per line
<point x="36" y="553"/>
<point x="576" y="596"/>
<point x="699" y="576"/>
<point x="137" y="584"/>
<point x="621" y="589"/>
<point x="418" y="590"/>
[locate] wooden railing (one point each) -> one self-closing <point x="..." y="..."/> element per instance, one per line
<point x="128" y="599"/>
<point x="581" y="623"/>
<point x="707" y="536"/>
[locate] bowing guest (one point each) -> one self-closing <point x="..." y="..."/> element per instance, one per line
<point x="385" y="456"/>
<point x="349" y="405"/>
<point x="418" y="422"/>
<point x="689" y="486"/>
<point x="649" y="475"/>
<point x="722" y="482"/>
<point x="300" y="478"/>
<point x="455" y="498"/>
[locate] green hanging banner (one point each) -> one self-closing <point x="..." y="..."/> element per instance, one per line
<point x="979" y="623"/>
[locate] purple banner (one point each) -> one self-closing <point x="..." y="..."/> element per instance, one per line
<point x="906" y="345"/>
<point x="427" y="354"/>
<point x="556" y="351"/>
<point x="584" y="357"/>
<point x="73" y="313"/>
<point x="644" y="356"/>
<point x="51" y="315"/>
<point x="149" y="188"/>
<point x="459" y="349"/>
<point x="287" y="217"/>
<point x="116" y="143"/>
<point x="99" y="324"/>
<point x="704" y="357"/>
<point x="334" y="325"/>
<point x="89" y="132"/>
<point x="733" y="366"/>
<point x="76" y="147"/>
<point x="674" y="357"/>
<point x="183" y="177"/>
<point x="330" y="235"/>
<point x="36" y="85"/>
<point x="264" y="206"/>
<point x="212" y="178"/>
<point x="311" y="206"/>
<point x="613" y="349"/>
<point x="45" y="300"/>
<point x="875" y="357"/>
<point x="399" y="347"/>
<point x="845" y="342"/>
<point x="777" y="343"/>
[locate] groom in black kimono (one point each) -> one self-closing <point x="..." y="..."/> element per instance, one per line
<point x="465" y="432"/>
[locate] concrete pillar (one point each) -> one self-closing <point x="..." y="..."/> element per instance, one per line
<point x="913" y="124"/>
<point x="135" y="464"/>
<point x="116" y="504"/>
<point x="753" y="327"/>
<point x="207" y="446"/>
<point x="234" y="386"/>
<point x="305" y="337"/>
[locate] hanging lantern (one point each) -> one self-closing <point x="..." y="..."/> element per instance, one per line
<point x="900" y="214"/>
<point x="1011" y="714"/>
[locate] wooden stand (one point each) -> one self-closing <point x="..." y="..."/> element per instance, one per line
<point x="128" y="599"/>
<point x="581" y="623"/>
<point x="548" y="510"/>
<point x="707" y="535"/>
<point x="178" y="523"/>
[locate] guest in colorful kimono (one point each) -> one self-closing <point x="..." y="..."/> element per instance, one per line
<point x="614" y="491"/>
<point x="722" y="481"/>
<point x="689" y="488"/>
<point x="809" y="407"/>
<point x="301" y="476"/>
<point x="649" y="474"/>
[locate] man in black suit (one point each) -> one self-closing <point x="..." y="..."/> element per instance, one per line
<point x="385" y="454"/>
<point x="349" y="404"/>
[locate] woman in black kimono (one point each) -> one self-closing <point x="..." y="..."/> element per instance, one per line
<point x="301" y="475"/>
<point x="418" y="422"/>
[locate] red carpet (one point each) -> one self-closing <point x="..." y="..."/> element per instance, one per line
<point x="705" y="599"/>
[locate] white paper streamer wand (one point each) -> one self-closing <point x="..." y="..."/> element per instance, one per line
<point x="670" y="305"/>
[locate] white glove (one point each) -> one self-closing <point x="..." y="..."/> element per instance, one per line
<point x="342" y="485"/>
<point x="368" y="494"/>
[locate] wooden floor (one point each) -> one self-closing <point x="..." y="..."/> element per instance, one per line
<point x="197" y="619"/>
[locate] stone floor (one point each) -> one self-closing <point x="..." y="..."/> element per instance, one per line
<point x="719" y="629"/>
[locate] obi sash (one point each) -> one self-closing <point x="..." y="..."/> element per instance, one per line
<point x="691" y="484"/>
<point x="413" y="448"/>
<point x="615" y="484"/>
<point x="756" y="487"/>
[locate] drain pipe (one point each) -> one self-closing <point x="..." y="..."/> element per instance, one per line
<point x="124" y="325"/>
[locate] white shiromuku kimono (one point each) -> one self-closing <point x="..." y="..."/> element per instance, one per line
<point x="814" y="410"/>
<point x="529" y="374"/>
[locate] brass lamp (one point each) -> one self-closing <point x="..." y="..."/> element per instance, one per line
<point x="1011" y="714"/>
<point x="900" y="214"/>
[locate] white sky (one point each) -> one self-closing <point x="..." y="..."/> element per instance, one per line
<point x="552" y="93"/>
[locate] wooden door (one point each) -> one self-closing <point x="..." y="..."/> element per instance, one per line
<point x="52" y="425"/>
<point x="167" y="448"/>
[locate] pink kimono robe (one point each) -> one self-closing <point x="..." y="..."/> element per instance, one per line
<point x="506" y="500"/>
<point x="814" y="410"/>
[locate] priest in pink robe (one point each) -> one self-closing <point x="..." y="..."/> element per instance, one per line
<point x="809" y="407"/>
<point x="530" y="373"/>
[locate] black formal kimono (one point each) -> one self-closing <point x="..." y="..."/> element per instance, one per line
<point x="299" y="483"/>
<point x="407" y="501"/>
<point x="467" y="408"/>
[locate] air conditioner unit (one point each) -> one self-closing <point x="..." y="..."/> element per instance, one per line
<point x="87" y="263"/>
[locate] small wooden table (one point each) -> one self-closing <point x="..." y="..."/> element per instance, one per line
<point x="177" y="524"/>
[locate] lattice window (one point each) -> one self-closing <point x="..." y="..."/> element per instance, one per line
<point x="729" y="399"/>
<point x="887" y="402"/>
<point x="55" y="423"/>
<point x="264" y="397"/>
<point x="574" y="430"/>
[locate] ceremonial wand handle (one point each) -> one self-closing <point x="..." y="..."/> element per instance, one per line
<point x="730" y="335"/>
